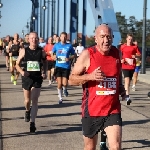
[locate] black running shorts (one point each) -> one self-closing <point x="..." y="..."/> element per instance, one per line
<point x="128" y="73"/>
<point x="50" y="64"/>
<point x="1" y="47"/>
<point x="62" y="72"/>
<point x="6" y="54"/>
<point x="29" y="82"/>
<point x="92" y="125"/>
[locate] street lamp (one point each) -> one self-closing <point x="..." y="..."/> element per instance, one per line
<point x="143" y="69"/>
<point x="1" y="5"/>
<point x="53" y="16"/>
<point x="44" y="7"/>
<point x="33" y="17"/>
<point x="0" y="15"/>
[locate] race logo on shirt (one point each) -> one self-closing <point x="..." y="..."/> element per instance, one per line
<point x="62" y="51"/>
<point x="107" y="87"/>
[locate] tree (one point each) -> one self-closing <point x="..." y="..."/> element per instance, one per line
<point x="132" y="25"/>
<point x="90" y="41"/>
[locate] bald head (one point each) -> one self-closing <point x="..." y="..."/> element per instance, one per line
<point x="103" y="38"/>
<point x="101" y="29"/>
<point x="16" y="36"/>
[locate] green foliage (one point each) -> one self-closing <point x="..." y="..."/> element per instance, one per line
<point x="90" y="41"/>
<point x="132" y="25"/>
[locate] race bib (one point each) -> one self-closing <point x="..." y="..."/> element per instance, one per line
<point x="129" y="61"/>
<point x="33" y="66"/>
<point x="14" y="58"/>
<point x="107" y="87"/>
<point x="61" y="59"/>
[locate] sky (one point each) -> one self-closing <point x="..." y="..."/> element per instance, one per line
<point x="16" y="14"/>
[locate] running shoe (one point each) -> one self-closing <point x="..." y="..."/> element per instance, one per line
<point x="128" y="101"/>
<point x="15" y="82"/>
<point x="12" y="78"/>
<point x="65" y="92"/>
<point x="27" y="116"/>
<point x="32" y="127"/>
<point x="60" y="101"/>
<point x="133" y="88"/>
<point x="49" y="83"/>
<point x="103" y="146"/>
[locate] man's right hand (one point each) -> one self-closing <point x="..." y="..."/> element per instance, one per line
<point x="25" y="74"/>
<point x="122" y="61"/>
<point x="97" y="75"/>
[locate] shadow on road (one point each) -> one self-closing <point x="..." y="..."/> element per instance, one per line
<point x="144" y="142"/>
<point x="71" y="128"/>
<point x="135" y="122"/>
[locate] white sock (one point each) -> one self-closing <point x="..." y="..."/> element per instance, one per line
<point x="64" y="88"/>
<point x="133" y="85"/>
<point x="59" y="93"/>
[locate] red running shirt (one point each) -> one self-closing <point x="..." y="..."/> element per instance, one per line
<point x="48" y="48"/>
<point x="102" y="98"/>
<point x="127" y="52"/>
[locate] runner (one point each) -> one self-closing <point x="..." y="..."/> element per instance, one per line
<point x="79" y="49"/>
<point x="14" y="47"/>
<point x="137" y="69"/>
<point x="98" y="69"/>
<point x="51" y="63"/>
<point x="32" y="59"/>
<point x="42" y="43"/>
<point x="55" y="38"/>
<point x="129" y="52"/>
<point x="26" y="43"/>
<point x="1" y="46"/>
<point x="6" y="51"/>
<point x="63" y="53"/>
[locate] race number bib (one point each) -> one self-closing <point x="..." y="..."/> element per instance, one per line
<point x="107" y="87"/>
<point x="129" y="61"/>
<point x="33" y="66"/>
<point x="14" y="58"/>
<point x="61" y="59"/>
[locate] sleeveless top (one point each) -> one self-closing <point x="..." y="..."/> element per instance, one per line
<point x="15" y="49"/>
<point x="32" y="61"/>
<point x="102" y="98"/>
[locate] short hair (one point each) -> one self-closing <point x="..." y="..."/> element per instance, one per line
<point x="27" y="34"/>
<point x="33" y="32"/>
<point x="63" y="33"/>
<point x="54" y="34"/>
<point x="130" y="34"/>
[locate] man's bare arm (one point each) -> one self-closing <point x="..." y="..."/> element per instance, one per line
<point x="44" y="62"/>
<point x="77" y="76"/>
<point x="21" y="55"/>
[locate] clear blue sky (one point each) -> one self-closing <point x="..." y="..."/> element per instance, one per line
<point x="16" y="13"/>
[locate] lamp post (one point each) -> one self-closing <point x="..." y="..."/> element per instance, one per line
<point x="53" y="15"/>
<point x="1" y="5"/>
<point x="0" y="15"/>
<point x="44" y="8"/>
<point x="57" y="17"/>
<point x="144" y="38"/>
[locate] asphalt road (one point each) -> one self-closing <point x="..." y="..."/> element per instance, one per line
<point x="59" y="126"/>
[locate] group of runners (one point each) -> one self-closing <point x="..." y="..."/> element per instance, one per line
<point x="98" y="69"/>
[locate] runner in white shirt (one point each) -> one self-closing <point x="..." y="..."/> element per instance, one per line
<point x="79" y="49"/>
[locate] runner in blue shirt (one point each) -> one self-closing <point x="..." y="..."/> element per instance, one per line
<point x="63" y="53"/>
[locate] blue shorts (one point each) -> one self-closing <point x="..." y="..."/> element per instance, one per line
<point x="137" y="69"/>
